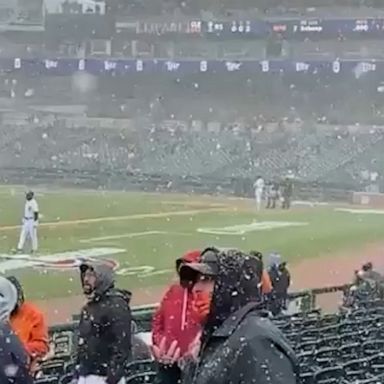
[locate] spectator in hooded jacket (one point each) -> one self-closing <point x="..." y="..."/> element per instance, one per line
<point x="28" y="323"/>
<point x="266" y="284"/>
<point x="104" y="343"/>
<point x="281" y="280"/>
<point x="14" y="360"/>
<point x="238" y="344"/>
<point x="174" y="321"/>
<point x="367" y="272"/>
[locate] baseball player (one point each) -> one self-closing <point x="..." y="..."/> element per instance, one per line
<point x="259" y="187"/>
<point x="30" y="222"/>
<point x="272" y="194"/>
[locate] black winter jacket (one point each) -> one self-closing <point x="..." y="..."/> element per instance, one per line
<point x="13" y="358"/>
<point x="246" y="349"/>
<point x="239" y="346"/>
<point x="104" y="345"/>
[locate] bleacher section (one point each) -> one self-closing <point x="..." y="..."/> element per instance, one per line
<point x="311" y="156"/>
<point x="339" y="348"/>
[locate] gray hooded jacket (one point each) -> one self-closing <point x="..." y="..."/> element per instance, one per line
<point x="105" y="328"/>
<point x="13" y="357"/>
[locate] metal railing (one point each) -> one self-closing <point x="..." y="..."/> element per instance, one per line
<point x="63" y="336"/>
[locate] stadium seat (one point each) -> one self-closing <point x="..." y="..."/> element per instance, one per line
<point x="309" y="335"/>
<point x="331" y="330"/>
<point x="69" y="367"/>
<point x="350" y="337"/>
<point x="378" y="303"/>
<point x="142" y="366"/>
<point x="356" y="369"/>
<point x="330" y="375"/>
<point x="350" y="326"/>
<point x="53" y="367"/>
<point x="310" y="323"/>
<point x="373" y="347"/>
<point x="358" y="315"/>
<point x="326" y="357"/>
<point x="306" y="378"/>
<point x="293" y="337"/>
<point x="141" y="378"/>
<point x="306" y="358"/>
<point x="376" y="364"/>
<point x="351" y="351"/>
<point x="308" y="346"/>
<point x="66" y="379"/>
<point x="329" y="341"/>
<point x="372" y="380"/>
<point x="47" y="380"/>
<point x="284" y="325"/>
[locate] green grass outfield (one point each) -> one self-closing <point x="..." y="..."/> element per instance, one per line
<point x="81" y="220"/>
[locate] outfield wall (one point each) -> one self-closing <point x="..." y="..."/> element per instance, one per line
<point x="211" y="184"/>
<point x="373" y="200"/>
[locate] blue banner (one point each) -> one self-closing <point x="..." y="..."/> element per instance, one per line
<point x="287" y="28"/>
<point x="121" y="67"/>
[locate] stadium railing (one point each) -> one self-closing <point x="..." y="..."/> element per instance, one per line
<point x="63" y="336"/>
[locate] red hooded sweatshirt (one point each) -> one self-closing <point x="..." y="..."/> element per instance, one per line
<point x="175" y="318"/>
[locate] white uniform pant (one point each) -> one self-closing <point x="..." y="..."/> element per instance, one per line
<point x="258" y="197"/>
<point x="28" y="230"/>
<point x="94" y="379"/>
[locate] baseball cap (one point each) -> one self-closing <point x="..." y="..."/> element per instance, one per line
<point x="208" y="264"/>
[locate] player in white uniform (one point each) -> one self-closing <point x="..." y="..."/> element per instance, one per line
<point x="30" y="222"/>
<point x="259" y="188"/>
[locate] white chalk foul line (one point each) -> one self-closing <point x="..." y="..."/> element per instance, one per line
<point x="122" y="236"/>
<point x="361" y="211"/>
<point x="131" y="235"/>
<point x="122" y="218"/>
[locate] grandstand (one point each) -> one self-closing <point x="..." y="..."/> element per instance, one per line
<point x="337" y="348"/>
<point x="202" y="96"/>
<point x="224" y="155"/>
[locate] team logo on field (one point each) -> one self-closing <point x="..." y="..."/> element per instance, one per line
<point x="63" y="261"/>
<point x="75" y="263"/>
<point x="67" y="261"/>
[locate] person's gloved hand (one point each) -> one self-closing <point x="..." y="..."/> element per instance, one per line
<point x="165" y="354"/>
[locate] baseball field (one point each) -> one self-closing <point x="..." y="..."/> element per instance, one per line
<point x="142" y="234"/>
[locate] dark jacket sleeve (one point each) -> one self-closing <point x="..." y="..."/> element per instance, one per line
<point x="13" y="355"/>
<point x="119" y="318"/>
<point x="262" y="359"/>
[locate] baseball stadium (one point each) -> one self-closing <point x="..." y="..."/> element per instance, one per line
<point x="142" y="234"/>
<point x="191" y="192"/>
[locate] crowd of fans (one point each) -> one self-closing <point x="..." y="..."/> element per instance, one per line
<point x="224" y="320"/>
<point x="215" y="315"/>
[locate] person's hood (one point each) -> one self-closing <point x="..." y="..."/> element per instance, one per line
<point x="105" y="279"/>
<point x="371" y="275"/>
<point x="8" y="298"/>
<point x="237" y="283"/>
<point x="273" y="260"/>
<point x="186" y="278"/>
<point x="188" y="257"/>
<point x="19" y="289"/>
